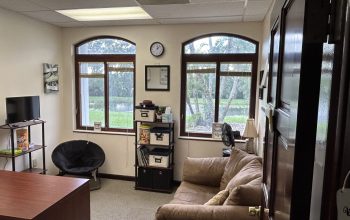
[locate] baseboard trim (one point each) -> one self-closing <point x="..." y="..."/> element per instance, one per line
<point x="176" y="183"/>
<point x="116" y="177"/>
<point x="127" y="178"/>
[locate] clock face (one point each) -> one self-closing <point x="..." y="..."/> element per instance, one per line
<point x="157" y="49"/>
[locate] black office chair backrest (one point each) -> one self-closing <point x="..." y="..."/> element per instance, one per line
<point x="78" y="153"/>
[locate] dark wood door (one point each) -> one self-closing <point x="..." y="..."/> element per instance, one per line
<point x="294" y="81"/>
<point x="269" y="155"/>
<point x="337" y="162"/>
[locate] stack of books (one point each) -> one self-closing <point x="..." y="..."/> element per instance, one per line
<point x="142" y="155"/>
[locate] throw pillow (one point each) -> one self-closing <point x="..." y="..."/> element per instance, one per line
<point x="246" y="195"/>
<point x="249" y="172"/>
<point x="237" y="160"/>
<point x="219" y="198"/>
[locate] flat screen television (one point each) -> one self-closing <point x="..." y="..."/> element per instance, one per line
<point x="21" y="109"/>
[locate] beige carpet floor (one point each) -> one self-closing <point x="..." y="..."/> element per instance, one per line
<point x="118" y="200"/>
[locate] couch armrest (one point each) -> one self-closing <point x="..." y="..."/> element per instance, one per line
<point x="204" y="171"/>
<point x="203" y="212"/>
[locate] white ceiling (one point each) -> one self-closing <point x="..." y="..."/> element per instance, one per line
<point x="195" y="11"/>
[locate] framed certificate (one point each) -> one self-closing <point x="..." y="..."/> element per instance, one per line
<point x="217" y="130"/>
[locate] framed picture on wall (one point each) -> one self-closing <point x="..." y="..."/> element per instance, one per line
<point x="157" y="77"/>
<point x="217" y="130"/>
<point x="261" y="87"/>
<point x="263" y="80"/>
<point x="50" y="78"/>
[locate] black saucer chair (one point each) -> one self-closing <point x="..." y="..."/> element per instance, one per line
<point x="79" y="157"/>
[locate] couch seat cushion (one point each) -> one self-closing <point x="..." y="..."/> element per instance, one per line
<point x="219" y="198"/>
<point x="193" y="194"/>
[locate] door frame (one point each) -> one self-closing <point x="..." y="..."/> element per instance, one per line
<point x="314" y="35"/>
<point x="337" y="163"/>
<point x="269" y="194"/>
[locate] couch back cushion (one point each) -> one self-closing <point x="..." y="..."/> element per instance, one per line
<point x="237" y="161"/>
<point x="206" y="171"/>
<point x="249" y="172"/>
<point x="246" y="195"/>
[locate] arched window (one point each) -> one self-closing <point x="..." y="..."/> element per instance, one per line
<point x="218" y="82"/>
<point x="105" y="71"/>
<point x="220" y="44"/>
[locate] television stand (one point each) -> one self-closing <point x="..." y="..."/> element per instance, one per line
<point x="13" y="154"/>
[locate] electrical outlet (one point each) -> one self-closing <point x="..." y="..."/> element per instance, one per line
<point x="35" y="163"/>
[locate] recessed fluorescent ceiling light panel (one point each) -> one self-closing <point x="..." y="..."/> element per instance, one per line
<point x="106" y="14"/>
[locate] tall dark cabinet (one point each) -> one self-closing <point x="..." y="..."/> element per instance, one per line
<point x="28" y="124"/>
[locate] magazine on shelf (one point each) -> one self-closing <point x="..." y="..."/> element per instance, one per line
<point x="139" y="159"/>
<point x="144" y="151"/>
<point x="142" y="155"/>
<point x="22" y="139"/>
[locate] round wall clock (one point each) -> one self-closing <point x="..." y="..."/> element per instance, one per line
<point x="157" y="49"/>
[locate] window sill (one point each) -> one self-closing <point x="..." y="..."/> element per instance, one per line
<point x="209" y="139"/>
<point x="104" y="132"/>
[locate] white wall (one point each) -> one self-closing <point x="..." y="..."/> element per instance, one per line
<point x="119" y="149"/>
<point x="25" y="45"/>
<point x="266" y="28"/>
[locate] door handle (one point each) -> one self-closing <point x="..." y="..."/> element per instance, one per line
<point x="269" y="112"/>
<point x="254" y="211"/>
<point x="266" y="211"/>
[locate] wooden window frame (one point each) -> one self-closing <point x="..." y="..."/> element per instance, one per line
<point x="217" y="58"/>
<point x="101" y="58"/>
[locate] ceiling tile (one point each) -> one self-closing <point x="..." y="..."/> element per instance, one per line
<point x="254" y="17"/>
<point x="105" y="23"/>
<point x="257" y="7"/>
<point x="198" y="11"/>
<point x="70" y="4"/>
<point x="48" y="16"/>
<point x="195" y="11"/>
<point x="213" y="1"/>
<point x="125" y="22"/>
<point x="20" y="5"/>
<point x="199" y="20"/>
<point x="67" y="24"/>
<point x="163" y="2"/>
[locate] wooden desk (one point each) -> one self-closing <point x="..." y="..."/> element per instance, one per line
<point x="43" y="197"/>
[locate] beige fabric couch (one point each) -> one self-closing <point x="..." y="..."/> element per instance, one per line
<point x="239" y="176"/>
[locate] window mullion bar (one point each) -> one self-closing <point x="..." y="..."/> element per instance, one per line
<point x="243" y="74"/>
<point x="78" y="96"/>
<point x="91" y="76"/>
<point x="217" y="92"/>
<point x="106" y="96"/>
<point x="134" y="96"/>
